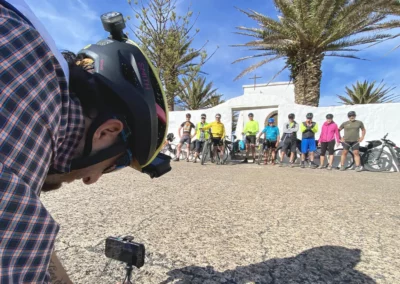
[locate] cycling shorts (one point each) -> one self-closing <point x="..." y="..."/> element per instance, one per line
<point x="308" y="144"/>
<point x="251" y="139"/>
<point x="330" y="146"/>
<point x="199" y="145"/>
<point x="289" y="144"/>
<point x="270" y="144"/>
<point x="354" y="145"/>
<point x="185" y="139"/>
<point x="217" y="141"/>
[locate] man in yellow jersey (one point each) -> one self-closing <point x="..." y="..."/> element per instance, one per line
<point x="217" y="132"/>
<point x="250" y="129"/>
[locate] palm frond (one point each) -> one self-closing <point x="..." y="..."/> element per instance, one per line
<point x="368" y="93"/>
<point x="257" y="65"/>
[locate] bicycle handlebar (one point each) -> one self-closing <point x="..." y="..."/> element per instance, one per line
<point x="385" y="135"/>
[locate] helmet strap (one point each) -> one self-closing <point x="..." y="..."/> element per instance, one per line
<point x="102" y="155"/>
<point x="88" y="160"/>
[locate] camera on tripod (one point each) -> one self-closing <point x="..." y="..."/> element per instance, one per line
<point x="126" y="250"/>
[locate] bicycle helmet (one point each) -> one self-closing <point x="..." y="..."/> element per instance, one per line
<point x="128" y="84"/>
<point x="251" y="114"/>
<point x="188" y="115"/>
<point x="309" y="115"/>
<point x="291" y="116"/>
<point x="271" y="120"/>
<point x="203" y="115"/>
<point x="329" y="116"/>
<point x="351" y="113"/>
<point x="218" y="115"/>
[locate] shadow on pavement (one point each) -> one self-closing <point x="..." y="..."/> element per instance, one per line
<point x="320" y="265"/>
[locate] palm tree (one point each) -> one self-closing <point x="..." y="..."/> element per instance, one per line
<point x="308" y="30"/>
<point x="367" y="93"/>
<point x="198" y="95"/>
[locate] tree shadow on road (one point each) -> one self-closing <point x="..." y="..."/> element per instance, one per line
<point x="320" y="265"/>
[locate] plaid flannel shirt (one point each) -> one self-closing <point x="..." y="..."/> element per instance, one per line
<point x="40" y="125"/>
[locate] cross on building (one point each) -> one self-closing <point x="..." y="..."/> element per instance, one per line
<point x="255" y="80"/>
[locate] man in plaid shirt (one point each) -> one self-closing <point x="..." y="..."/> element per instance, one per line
<point x="45" y="123"/>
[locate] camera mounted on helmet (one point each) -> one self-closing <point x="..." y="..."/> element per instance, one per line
<point x="132" y="92"/>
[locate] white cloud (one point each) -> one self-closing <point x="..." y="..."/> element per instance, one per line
<point x="71" y="23"/>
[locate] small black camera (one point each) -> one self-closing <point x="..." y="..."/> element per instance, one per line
<point x="126" y="250"/>
<point x="114" y="23"/>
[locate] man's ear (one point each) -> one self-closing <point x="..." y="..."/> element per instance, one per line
<point x="108" y="132"/>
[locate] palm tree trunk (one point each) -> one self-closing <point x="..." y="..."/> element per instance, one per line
<point x="307" y="81"/>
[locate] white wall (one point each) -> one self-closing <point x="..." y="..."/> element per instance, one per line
<point x="378" y="119"/>
<point x="264" y="96"/>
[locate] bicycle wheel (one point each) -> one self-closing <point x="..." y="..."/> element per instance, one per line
<point x="205" y="152"/>
<point x="278" y="155"/>
<point x="337" y="156"/>
<point x="377" y="160"/>
<point x="260" y="154"/>
<point x="226" y="154"/>
<point x="317" y="156"/>
<point x="170" y="150"/>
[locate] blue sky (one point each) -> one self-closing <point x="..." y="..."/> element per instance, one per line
<point x="76" y="23"/>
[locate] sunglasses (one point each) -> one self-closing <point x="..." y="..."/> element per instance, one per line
<point x="122" y="162"/>
<point x="203" y="118"/>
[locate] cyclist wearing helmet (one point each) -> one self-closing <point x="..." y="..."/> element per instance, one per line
<point x="218" y="134"/>
<point x="186" y="137"/>
<point x="352" y="139"/>
<point x="271" y="133"/>
<point x="289" y="139"/>
<point x="326" y="141"/>
<point x="201" y="136"/>
<point x="61" y="123"/>
<point x="250" y="129"/>
<point x="308" y="129"/>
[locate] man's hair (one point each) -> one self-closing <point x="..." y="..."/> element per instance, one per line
<point x="82" y="84"/>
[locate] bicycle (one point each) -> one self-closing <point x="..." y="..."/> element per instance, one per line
<point x="169" y="148"/>
<point x="337" y="154"/>
<point x="337" y="157"/>
<point x="208" y="149"/>
<point x="297" y="156"/>
<point x="262" y="149"/>
<point x="377" y="160"/>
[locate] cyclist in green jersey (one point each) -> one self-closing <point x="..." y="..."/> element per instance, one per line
<point x="250" y="129"/>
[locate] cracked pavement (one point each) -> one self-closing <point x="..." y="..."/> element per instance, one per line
<point x="234" y="224"/>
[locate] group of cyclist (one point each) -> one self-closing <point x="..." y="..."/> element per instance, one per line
<point x="202" y="131"/>
<point x="328" y="139"/>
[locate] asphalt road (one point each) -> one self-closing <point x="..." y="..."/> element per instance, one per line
<point x="235" y="224"/>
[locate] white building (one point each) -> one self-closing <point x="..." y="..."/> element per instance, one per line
<point x="277" y="100"/>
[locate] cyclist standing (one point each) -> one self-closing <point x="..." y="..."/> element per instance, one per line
<point x="201" y="136"/>
<point x="271" y="133"/>
<point x="251" y="129"/>
<point x="352" y="139"/>
<point x="218" y="134"/>
<point x="289" y="139"/>
<point x="329" y="133"/>
<point x="186" y="137"/>
<point x="308" y="129"/>
<point x="64" y="120"/>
